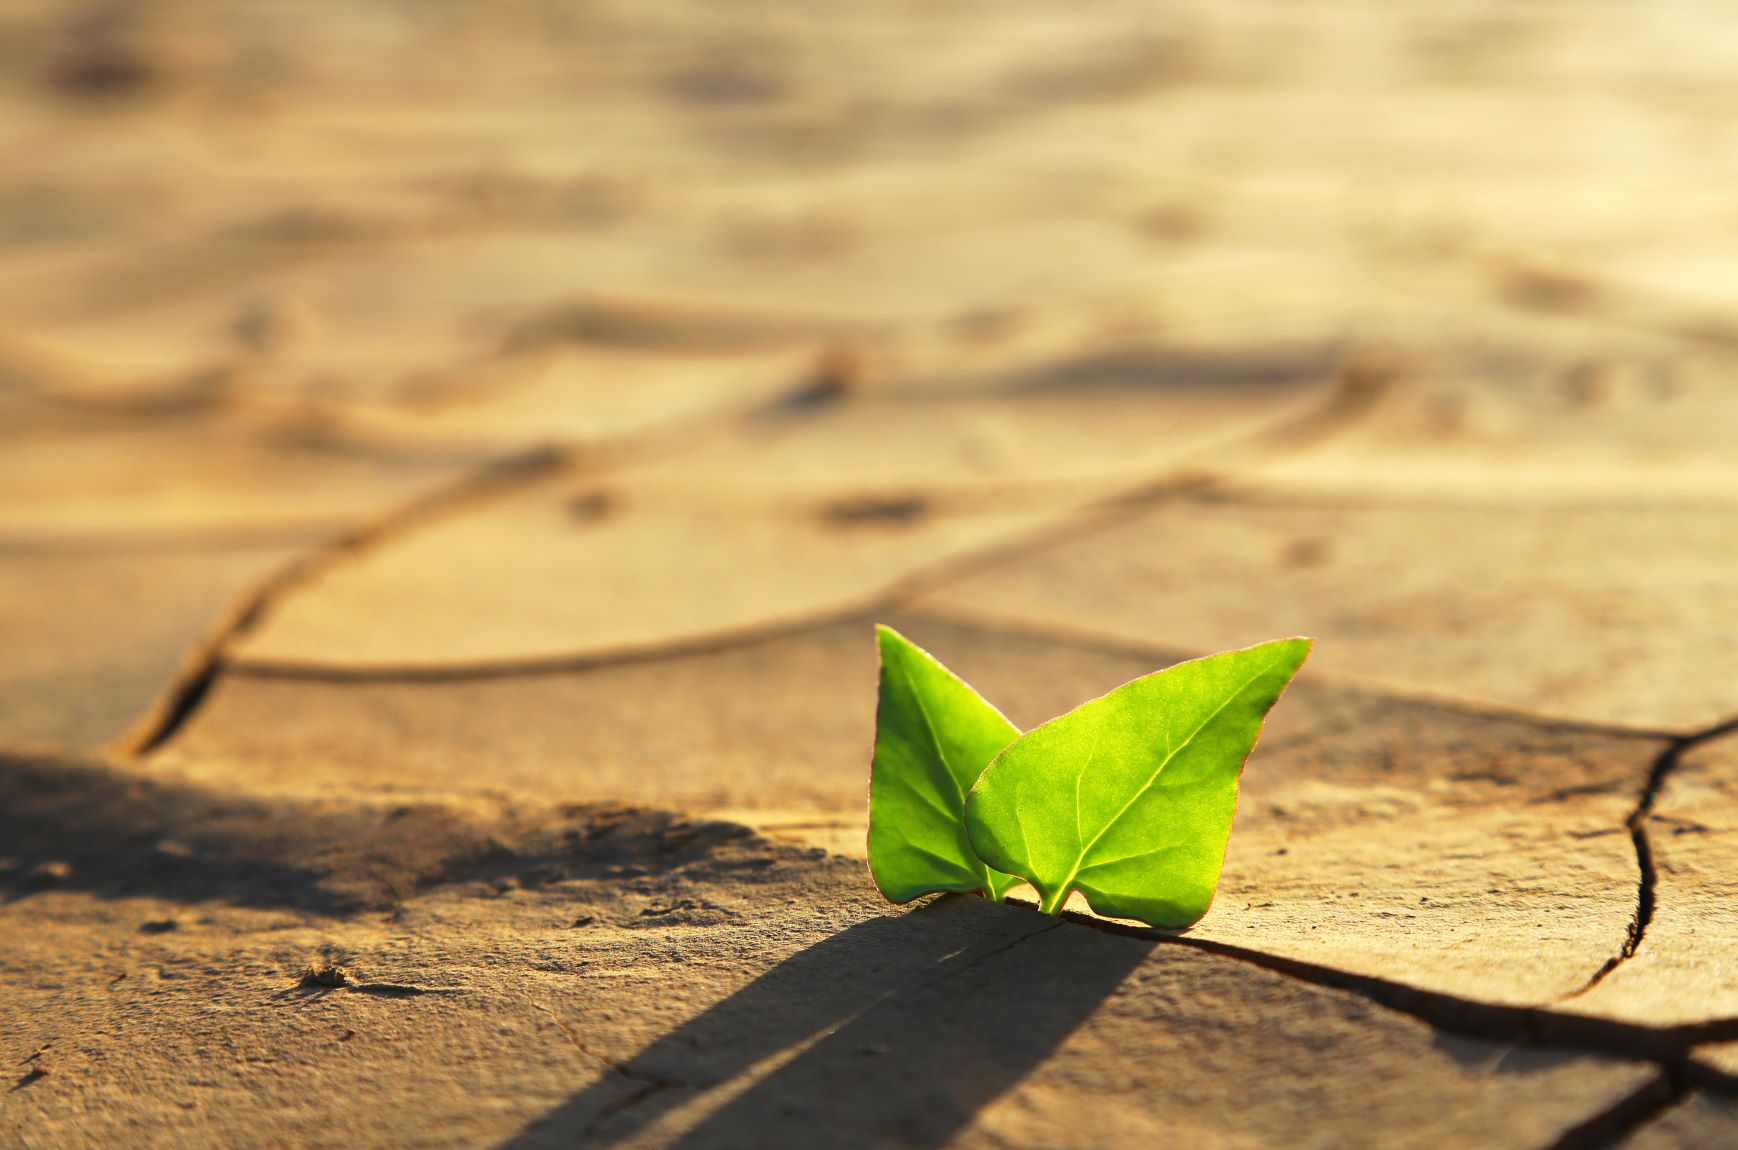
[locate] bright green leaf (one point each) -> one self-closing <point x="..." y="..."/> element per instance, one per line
<point x="1129" y="798"/>
<point x="933" y="737"/>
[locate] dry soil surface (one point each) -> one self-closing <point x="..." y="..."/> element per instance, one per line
<point x="451" y="458"/>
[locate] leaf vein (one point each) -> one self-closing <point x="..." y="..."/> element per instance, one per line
<point x="1172" y="754"/>
<point x="1080" y="862"/>
<point x="934" y="736"/>
<point x="947" y="863"/>
<point x="930" y="800"/>
<point x="1168" y="848"/>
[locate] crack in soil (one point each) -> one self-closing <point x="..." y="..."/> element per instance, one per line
<point x="1358" y="390"/>
<point x="1537" y="1026"/>
<point x="497" y="476"/>
<point x="201" y="669"/>
<point x="1019" y="628"/>
<point x="620" y="1105"/>
<point x="1668" y="1047"/>
<point x="981" y="959"/>
<point x="645" y="1086"/>
<point x="1636" y="823"/>
<point x="609" y="1064"/>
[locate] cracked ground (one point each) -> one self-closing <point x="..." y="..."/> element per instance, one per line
<point x="452" y="455"/>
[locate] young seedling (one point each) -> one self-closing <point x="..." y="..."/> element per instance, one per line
<point x="1127" y="798"/>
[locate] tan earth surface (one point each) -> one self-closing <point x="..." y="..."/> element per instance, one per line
<point x="452" y="455"/>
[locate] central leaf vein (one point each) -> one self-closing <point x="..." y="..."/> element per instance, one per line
<point x="1080" y="861"/>
<point x="934" y="736"/>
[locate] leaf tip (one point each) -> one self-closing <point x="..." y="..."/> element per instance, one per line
<point x="1297" y="646"/>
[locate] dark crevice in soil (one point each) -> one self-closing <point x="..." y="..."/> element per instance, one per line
<point x="647" y="1082"/>
<point x="609" y="1110"/>
<point x="645" y="1085"/>
<point x="955" y="972"/>
<point x="1637" y="825"/>
<point x="194" y="682"/>
<point x="1537" y="1026"/>
<point x="186" y="695"/>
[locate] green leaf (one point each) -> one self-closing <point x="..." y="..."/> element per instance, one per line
<point x="933" y="737"/>
<point x="1129" y="798"/>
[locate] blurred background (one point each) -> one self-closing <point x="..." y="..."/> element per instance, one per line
<point x="762" y="313"/>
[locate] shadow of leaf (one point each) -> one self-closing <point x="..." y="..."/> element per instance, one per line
<point x="893" y="1032"/>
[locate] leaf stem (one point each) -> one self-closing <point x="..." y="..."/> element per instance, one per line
<point x="1051" y="903"/>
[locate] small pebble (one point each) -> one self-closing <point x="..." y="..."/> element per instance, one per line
<point x="50" y="873"/>
<point x="330" y="975"/>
